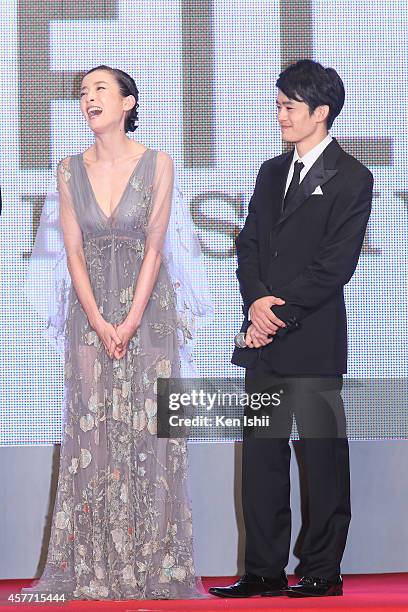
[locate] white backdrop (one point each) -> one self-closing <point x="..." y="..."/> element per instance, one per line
<point x="368" y="48"/>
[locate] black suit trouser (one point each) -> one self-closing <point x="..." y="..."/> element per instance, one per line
<point x="323" y="457"/>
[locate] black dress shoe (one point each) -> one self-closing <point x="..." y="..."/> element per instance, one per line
<point x="316" y="587"/>
<point x="251" y="585"/>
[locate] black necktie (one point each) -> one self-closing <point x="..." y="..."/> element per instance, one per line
<point x="294" y="183"/>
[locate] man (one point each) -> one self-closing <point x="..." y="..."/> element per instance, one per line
<point x="299" y="246"/>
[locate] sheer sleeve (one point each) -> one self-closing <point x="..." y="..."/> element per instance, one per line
<point x="171" y="239"/>
<point x="69" y="224"/>
<point x="161" y="203"/>
<point x="48" y="280"/>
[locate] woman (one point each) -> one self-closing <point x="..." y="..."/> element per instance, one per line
<point x="121" y="525"/>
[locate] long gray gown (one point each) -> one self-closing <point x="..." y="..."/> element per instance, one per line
<point x="121" y="526"/>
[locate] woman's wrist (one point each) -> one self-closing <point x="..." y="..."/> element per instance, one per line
<point x="131" y="324"/>
<point x="95" y="320"/>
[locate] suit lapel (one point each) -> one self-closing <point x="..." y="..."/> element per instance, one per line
<point x="321" y="172"/>
<point x="276" y="186"/>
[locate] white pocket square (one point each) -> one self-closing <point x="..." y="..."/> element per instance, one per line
<point x="318" y="191"/>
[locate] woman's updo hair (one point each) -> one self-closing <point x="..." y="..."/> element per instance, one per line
<point x="127" y="87"/>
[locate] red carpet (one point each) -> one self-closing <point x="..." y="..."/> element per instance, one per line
<point x="370" y="592"/>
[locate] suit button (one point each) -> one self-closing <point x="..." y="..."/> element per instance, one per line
<point x="275" y="254"/>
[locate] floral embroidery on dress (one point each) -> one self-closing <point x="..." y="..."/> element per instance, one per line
<point x="137" y="183"/>
<point x="64" y="171"/>
<point x="143" y="204"/>
<point x="126" y="295"/>
<point x="163" y="328"/>
<point x="137" y="245"/>
<point x="165" y="296"/>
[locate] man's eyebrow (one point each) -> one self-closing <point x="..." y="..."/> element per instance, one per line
<point x="97" y="82"/>
<point x="285" y="103"/>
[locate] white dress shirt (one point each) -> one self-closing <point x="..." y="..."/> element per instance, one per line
<point x="308" y="160"/>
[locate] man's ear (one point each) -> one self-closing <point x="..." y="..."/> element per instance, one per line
<point x="321" y="112"/>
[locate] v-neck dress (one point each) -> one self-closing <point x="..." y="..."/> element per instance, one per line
<point x="121" y="526"/>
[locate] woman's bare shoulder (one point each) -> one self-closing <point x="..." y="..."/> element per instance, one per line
<point x="164" y="159"/>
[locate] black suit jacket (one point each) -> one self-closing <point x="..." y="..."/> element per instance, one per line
<point x="305" y="256"/>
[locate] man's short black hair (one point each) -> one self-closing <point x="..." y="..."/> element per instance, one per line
<point x="308" y="81"/>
